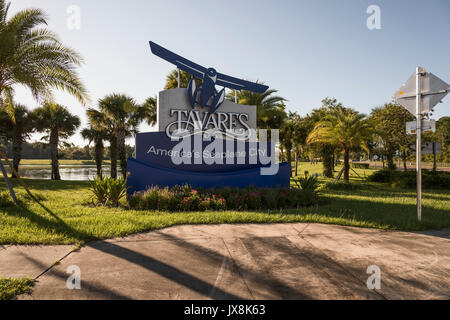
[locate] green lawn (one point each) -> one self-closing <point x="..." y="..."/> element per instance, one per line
<point x="63" y="216"/>
<point x="10" y="288"/>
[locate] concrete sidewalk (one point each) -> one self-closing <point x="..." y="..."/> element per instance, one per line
<point x="276" y="261"/>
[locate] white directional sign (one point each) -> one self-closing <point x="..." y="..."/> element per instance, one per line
<point x="427" y="126"/>
<point x="427" y="148"/>
<point x="433" y="90"/>
<point x="419" y="94"/>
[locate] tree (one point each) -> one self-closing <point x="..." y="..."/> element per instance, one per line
<point x="300" y="134"/>
<point x="342" y="127"/>
<point x="150" y="110"/>
<point x="172" y="80"/>
<point x="97" y="136"/>
<point x="17" y="123"/>
<point x="325" y="150"/>
<point x="121" y="117"/>
<point x="270" y="109"/>
<point x="389" y="123"/>
<point x="33" y="56"/>
<point x="58" y="124"/>
<point x="287" y="132"/>
<point x="100" y="121"/>
<point x="442" y="135"/>
<point x="293" y="134"/>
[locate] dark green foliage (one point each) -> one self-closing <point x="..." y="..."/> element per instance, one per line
<point x="408" y="179"/>
<point x="360" y="165"/>
<point x="178" y="198"/>
<point x="107" y="191"/>
<point x="184" y="198"/>
<point x="389" y="124"/>
<point x="308" y="183"/>
<point x="326" y="153"/>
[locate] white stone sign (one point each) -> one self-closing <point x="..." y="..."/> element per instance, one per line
<point x="174" y="114"/>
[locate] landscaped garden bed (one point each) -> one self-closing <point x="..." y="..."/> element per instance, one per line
<point x="63" y="215"/>
<point x="185" y="198"/>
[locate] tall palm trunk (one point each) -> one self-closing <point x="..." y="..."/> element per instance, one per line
<point x="405" y="167"/>
<point x="113" y="155"/>
<point x="327" y="158"/>
<point x="346" y="164"/>
<point x="289" y="159"/>
<point x="54" y="139"/>
<point x="122" y="152"/>
<point x="390" y="159"/>
<point x="99" y="148"/>
<point x="17" y="151"/>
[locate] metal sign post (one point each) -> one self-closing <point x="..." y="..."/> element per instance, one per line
<point x="420" y="93"/>
<point x="419" y="143"/>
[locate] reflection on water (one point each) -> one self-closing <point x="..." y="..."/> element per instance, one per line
<point x="67" y="172"/>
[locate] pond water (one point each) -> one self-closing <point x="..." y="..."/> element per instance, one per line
<point x="67" y="172"/>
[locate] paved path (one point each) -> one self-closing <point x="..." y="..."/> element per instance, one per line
<point x="277" y="261"/>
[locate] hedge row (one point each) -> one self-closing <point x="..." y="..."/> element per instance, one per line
<point x="408" y="179"/>
<point x="185" y="198"/>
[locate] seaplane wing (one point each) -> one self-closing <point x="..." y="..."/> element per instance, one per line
<point x="184" y="64"/>
<point x="238" y="84"/>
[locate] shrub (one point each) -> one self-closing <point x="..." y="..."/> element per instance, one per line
<point x="360" y="165"/>
<point x="408" y="179"/>
<point x="218" y="203"/>
<point x="307" y="183"/>
<point x="107" y="191"/>
<point x="117" y="189"/>
<point x="99" y="189"/>
<point x="184" y="198"/>
<point x="255" y="200"/>
<point x="384" y="175"/>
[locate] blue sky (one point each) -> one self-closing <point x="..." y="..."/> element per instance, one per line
<point x="307" y="50"/>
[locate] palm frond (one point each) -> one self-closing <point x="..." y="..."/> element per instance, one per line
<point x="33" y="56"/>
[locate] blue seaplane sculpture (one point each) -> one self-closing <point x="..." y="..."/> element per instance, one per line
<point x="150" y="167"/>
<point x="206" y="94"/>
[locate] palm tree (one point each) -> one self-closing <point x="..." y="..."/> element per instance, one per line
<point x="57" y="123"/>
<point x="287" y="137"/>
<point x="33" y="56"/>
<point x="300" y="133"/>
<point x="270" y="109"/>
<point x="345" y="128"/>
<point x="150" y="110"/>
<point x="326" y="151"/>
<point x="121" y="117"/>
<point x="97" y="136"/>
<point x="102" y="123"/>
<point x="18" y="123"/>
<point x="172" y="79"/>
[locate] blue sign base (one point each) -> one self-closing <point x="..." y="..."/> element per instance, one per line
<point x="143" y="176"/>
<point x="153" y="166"/>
